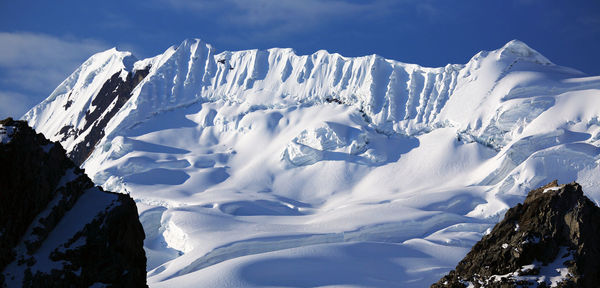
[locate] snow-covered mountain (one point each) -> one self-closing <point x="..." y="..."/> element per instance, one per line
<point x="56" y="228"/>
<point x="265" y="168"/>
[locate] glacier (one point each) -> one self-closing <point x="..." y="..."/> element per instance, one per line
<point x="267" y="168"/>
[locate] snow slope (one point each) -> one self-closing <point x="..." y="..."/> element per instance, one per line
<point x="69" y="103"/>
<point x="266" y="168"/>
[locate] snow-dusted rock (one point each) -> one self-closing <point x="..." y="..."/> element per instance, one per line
<point x="56" y="228"/>
<point x="550" y="240"/>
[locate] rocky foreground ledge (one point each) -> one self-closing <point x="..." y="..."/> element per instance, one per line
<point x="551" y="240"/>
<point x="56" y="228"/>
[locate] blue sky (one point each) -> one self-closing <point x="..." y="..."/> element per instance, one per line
<point x="42" y="42"/>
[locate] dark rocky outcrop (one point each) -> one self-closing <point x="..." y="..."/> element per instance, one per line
<point x="56" y="228"/>
<point x="109" y="100"/>
<point x="556" y="226"/>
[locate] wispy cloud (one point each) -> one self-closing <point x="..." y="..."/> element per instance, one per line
<point x="590" y="22"/>
<point x="32" y="65"/>
<point x="13" y="104"/>
<point x="281" y="16"/>
<point x="306" y="13"/>
<point x="243" y="23"/>
<point x="39" y="60"/>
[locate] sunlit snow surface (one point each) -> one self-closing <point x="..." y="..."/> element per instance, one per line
<point x="273" y="169"/>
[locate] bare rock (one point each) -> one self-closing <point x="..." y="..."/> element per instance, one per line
<point x="557" y="227"/>
<point x="56" y="228"/>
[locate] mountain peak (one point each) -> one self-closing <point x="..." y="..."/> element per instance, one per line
<point x="112" y="52"/>
<point x="190" y="42"/>
<point x="518" y="49"/>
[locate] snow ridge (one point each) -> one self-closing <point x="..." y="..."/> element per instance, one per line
<point x="395" y="96"/>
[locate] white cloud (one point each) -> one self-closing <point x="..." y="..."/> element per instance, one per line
<point x="32" y="65"/>
<point x="27" y="55"/>
<point x="13" y="104"/>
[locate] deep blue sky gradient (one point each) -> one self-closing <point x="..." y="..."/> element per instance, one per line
<point x="429" y="33"/>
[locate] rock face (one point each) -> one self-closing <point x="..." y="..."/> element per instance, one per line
<point x="56" y="228"/>
<point x="551" y="240"/>
<point x="111" y="97"/>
